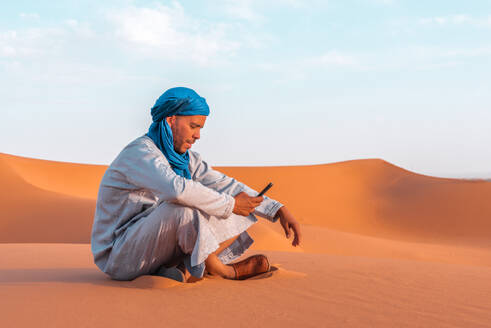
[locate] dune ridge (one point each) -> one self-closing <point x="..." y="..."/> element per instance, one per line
<point x="368" y="197"/>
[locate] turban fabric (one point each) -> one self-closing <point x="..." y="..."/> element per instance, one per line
<point x="176" y="101"/>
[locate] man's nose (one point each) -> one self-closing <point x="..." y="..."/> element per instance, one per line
<point x="196" y="134"/>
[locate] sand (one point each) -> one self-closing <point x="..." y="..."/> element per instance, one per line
<point x="383" y="247"/>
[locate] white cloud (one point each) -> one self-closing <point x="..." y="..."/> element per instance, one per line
<point x="384" y="2"/>
<point x="424" y="57"/>
<point x="253" y="11"/>
<point x="429" y="52"/>
<point x="169" y="32"/>
<point x="7" y="51"/>
<point x="411" y="57"/>
<point x="242" y="10"/>
<point x="459" y="19"/>
<point x="38" y="41"/>
<point x="285" y="71"/>
<point x="329" y="59"/>
<point x="335" y="58"/>
<point x="29" y="42"/>
<point x="470" y="52"/>
<point x="298" y="3"/>
<point x="72" y="23"/>
<point x="81" y="29"/>
<point x="29" y="15"/>
<point x="47" y="55"/>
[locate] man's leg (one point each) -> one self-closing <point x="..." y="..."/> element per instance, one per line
<point x="247" y="268"/>
<point x="153" y="241"/>
<point x="215" y="266"/>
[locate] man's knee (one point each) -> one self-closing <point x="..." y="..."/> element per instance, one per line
<point x="154" y="239"/>
<point x="187" y="229"/>
<point x="185" y="219"/>
<point x="174" y="212"/>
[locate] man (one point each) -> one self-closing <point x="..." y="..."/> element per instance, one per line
<point x="161" y="210"/>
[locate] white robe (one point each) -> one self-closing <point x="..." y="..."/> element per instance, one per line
<point x="147" y="216"/>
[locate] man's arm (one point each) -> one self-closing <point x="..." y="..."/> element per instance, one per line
<point x="202" y="172"/>
<point x="144" y="167"/>
<point x="289" y="224"/>
<point x="269" y="208"/>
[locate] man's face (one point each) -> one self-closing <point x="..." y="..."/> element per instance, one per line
<point x="185" y="130"/>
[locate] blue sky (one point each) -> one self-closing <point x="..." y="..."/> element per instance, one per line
<point x="288" y="82"/>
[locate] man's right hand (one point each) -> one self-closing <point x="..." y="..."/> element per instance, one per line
<point x="245" y="204"/>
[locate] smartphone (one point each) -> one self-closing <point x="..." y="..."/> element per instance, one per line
<point x="265" y="189"/>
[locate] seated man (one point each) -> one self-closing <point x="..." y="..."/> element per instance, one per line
<point x="161" y="210"/>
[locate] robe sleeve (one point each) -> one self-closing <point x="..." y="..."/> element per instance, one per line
<point x="202" y="172"/>
<point x="146" y="168"/>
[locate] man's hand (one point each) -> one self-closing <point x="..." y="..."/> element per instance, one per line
<point x="245" y="204"/>
<point x="289" y="223"/>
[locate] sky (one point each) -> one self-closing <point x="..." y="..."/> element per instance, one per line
<point x="288" y="82"/>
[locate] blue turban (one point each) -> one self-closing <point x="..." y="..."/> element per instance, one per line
<point x="175" y="101"/>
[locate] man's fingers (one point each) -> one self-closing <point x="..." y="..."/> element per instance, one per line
<point x="286" y="228"/>
<point x="296" y="241"/>
<point x="245" y="204"/>
<point x="298" y="234"/>
<point x="257" y="200"/>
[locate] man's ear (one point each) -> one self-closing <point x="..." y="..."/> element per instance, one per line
<point x="171" y="120"/>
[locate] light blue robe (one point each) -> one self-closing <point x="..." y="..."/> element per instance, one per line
<point x="147" y="216"/>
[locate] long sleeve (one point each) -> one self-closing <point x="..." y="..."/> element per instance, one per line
<point x="142" y="165"/>
<point x="203" y="173"/>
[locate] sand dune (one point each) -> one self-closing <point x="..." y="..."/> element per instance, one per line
<point x="376" y="198"/>
<point x="382" y="247"/>
<point x="31" y="214"/>
<point x="78" y="180"/>
<point x="368" y="197"/>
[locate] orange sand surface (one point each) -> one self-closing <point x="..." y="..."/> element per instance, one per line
<point x="382" y="247"/>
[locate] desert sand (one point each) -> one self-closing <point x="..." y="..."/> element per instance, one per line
<point x="382" y="247"/>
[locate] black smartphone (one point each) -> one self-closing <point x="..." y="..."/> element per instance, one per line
<point x="265" y="189"/>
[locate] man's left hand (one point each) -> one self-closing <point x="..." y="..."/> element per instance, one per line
<point x="289" y="223"/>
